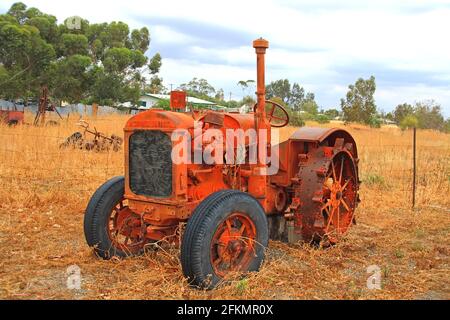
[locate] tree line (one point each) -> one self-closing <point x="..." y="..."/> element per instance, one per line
<point x="357" y="106"/>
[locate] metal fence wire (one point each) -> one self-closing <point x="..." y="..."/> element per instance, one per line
<point x="31" y="165"/>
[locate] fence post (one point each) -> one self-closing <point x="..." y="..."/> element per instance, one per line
<point x="94" y="110"/>
<point x="414" y="167"/>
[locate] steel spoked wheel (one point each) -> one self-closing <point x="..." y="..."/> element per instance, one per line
<point x="124" y="229"/>
<point x="340" y="197"/>
<point x="232" y="248"/>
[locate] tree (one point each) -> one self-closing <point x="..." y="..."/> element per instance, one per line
<point x="248" y="101"/>
<point x="297" y="97"/>
<point x="447" y="126"/>
<point x="101" y="63"/>
<point x="71" y="79"/>
<point x="18" y="11"/>
<point x="429" y="115"/>
<point x="309" y="104"/>
<point x="24" y="55"/>
<point x="402" y="111"/>
<point x="155" y="64"/>
<point x="426" y="113"/>
<point x="243" y="85"/>
<point x="220" y="95"/>
<point x="359" y="104"/>
<point x="156" y="83"/>
<point x="140" y="40"/>
<point x="281" y="89"/>
<point x="295" y="119"/>
<point x="71" y="44"/>
<point x="199" y="87"/>
<point x="390" y="116"/>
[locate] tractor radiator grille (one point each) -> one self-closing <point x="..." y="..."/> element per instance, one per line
<point x="150" y="164"/>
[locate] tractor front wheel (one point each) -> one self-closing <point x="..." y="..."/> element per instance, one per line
<point x="227" y="234"/>
<point x="110" y="227"/>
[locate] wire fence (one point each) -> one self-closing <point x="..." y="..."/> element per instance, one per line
<point x="36" y="161"/>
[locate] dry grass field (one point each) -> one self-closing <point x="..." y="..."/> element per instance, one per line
<point x="44" y="191"/>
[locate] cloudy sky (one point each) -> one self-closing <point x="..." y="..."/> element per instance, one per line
<point x="324" y="45"/>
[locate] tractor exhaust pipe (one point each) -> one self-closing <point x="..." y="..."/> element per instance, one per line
<point x="258" y="180"/>
<point x="261" y="123"/>
<point x="261" y="46"/>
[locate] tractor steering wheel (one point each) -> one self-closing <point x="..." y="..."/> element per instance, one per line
<point x="275" y="120"/>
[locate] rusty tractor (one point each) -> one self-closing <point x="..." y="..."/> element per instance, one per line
<point x="228" y="211"/>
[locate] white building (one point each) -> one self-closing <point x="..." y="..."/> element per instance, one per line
<point x="148" y="101"/>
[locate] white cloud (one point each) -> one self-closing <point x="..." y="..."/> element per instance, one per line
<point x="165" y="35"/>
<point x="220" y="76"/>
<point x="411" y="94"/>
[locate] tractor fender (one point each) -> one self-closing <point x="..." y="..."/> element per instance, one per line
<point x="325" y="136"/>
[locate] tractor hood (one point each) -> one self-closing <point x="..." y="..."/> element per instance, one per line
<point x="169" y="121"/>
<point x="160" y="119"/>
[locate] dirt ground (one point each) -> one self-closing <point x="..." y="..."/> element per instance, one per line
<point x="44" y="191"/>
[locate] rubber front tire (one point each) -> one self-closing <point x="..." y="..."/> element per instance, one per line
<point x="97" y="216"/>
<point x="205" y="222"/>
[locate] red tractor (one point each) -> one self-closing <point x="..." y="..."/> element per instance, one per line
<point x="223" y="213"/>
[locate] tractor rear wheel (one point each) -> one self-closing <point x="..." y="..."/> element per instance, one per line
<point x="340" y="198"/>
<point x="110" y="227"/>
<point x="227" y="234"/>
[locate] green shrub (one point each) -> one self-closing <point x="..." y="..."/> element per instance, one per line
<point x="295" y="119"/>
<point x="374" y="179"/>
<point x="409" y="122"/>
<point x="242" y="286"/>
<point x="321" y="118"/>
<point x="375" y="122"/>
<point x="307" y="116"/>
